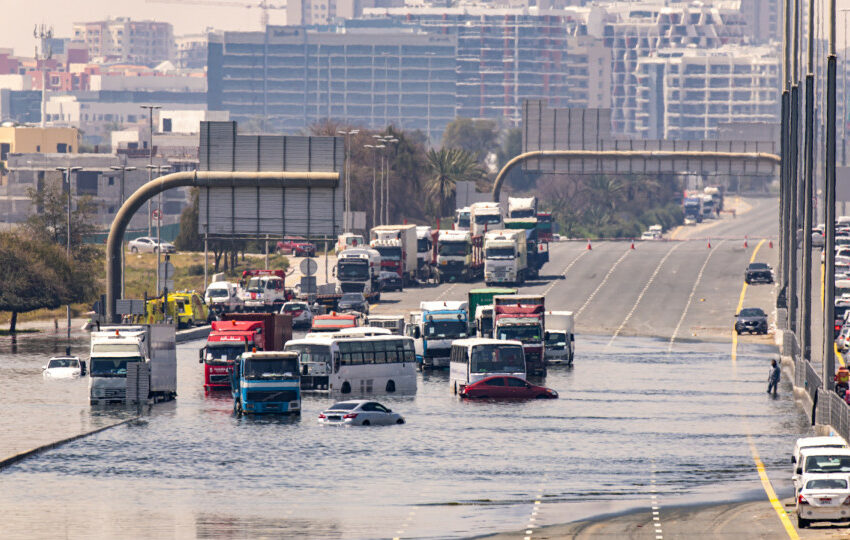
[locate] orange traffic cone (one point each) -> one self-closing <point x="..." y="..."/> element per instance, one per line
<point x="633" y="243"/>
<point x="745" y="242"/>
<point x="589" y="247"/>
<point x="709" y="243"/>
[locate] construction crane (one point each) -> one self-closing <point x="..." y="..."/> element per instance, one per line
<point x="263" y="5"/>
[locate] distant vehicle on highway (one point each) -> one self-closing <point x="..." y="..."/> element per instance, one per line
<point x="843" y="339"/>
<point x="823" y="497"/>
<point x="818" y="238"/>
<point x="359" y="412"/>
<point x="650" y="235"/>
<point x="758" y="272"/>
<point x="298" y="246"/>
<point x="353" y="302"/>
<point x="501" y="387"/>
<point x="752" y="321"/>
<point x="146" y="244"/>
<point x="390" y="281"/>
<point x="300" y="312"/>
<point x="63" y="367"/>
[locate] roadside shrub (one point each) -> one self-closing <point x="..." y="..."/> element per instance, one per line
<point x="195" y="269"/>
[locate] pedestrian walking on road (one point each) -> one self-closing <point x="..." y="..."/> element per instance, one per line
<point x="773" y="378"/>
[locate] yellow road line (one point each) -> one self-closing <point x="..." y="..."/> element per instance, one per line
<point x="765" y="481"/>
<point x="839" y="355"/>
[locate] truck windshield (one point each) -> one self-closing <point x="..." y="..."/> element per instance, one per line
<point x="452" y="249"/>
<point x="555" y="339"/>
<point x="312" y="353"/>
<point x="224" y="353"/>
<point x="358" y="271"/>
<point x="272" y="368"/>
<point x="106" y="348"/>
<point x="497" y="359"/>
<point x="523" y="213"/>
<point x="463" y="221"/>
<point x="255" y="284"/>
<point x="525" y="334"/>
<point x="447" y="329"/>
<point x="499" y="253"/>
<point x="423" y="245"/>
<point x="111" y="367"/>
<point x="217" y="293"/>
<point x="488" y="219"/>
<point x="389" y="253"/>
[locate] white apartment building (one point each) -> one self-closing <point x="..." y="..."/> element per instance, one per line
<point x="190" y="51"/>
<point x="687" y="93"/>
<point x="127" y="41"/>
<point x="588" y="65"/>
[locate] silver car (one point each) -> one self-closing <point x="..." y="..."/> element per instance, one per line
<point x="359" y="412"/>
<point x="146" y="244"/>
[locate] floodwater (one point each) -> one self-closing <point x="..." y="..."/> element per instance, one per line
<point x="455" y="469"/>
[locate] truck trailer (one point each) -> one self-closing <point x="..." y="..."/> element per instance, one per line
<point x="522" y="318"/>
<point x="397" y="246"/>
<point x="460" y="256"/>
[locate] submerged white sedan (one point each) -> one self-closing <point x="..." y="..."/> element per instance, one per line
<point x="62" y="367"/>
<point x="359" y="412"/>
<point x="823" y="497"/>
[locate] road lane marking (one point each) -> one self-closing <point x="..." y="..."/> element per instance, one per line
<point x="691" y="296"/>
<point x="447" y="291"/>
<point x="564" y="273"/>
<point x="602" y="284"/>
<point x="765" y="481"/>
<point x="643" y="292"/>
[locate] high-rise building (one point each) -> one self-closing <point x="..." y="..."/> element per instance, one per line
<point x="289" y="77"/>
<point x="687" y="93"/>
<point x="190" y="51"/>
<point x="124" y="40"/>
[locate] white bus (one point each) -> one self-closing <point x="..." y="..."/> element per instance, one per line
<point x="356" y="365"/>
<point x="474" y="359"/>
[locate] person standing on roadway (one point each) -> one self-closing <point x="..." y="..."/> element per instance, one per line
<point x="773" y="378"/>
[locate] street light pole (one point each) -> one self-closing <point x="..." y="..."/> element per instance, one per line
<point x="808" y="188"/>
<point x="347" y="190"/>
<point x="151" y="109"/>
<point x="67" y="177"/>
<point x="123" y="168"/>
<point x="158" y="169"/>
<point x="829" y="220"/>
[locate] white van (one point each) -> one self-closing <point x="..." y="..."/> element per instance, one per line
<point x="820" y="461"/>
<point x="805" y="443"/>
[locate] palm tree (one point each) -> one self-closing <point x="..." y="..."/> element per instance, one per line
<point x="445" y="168"/>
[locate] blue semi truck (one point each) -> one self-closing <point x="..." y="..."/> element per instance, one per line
<point x="266" y="382"/>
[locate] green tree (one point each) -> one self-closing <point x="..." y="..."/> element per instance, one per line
<point x="188" y="239"/>
<point x="446" y="167"/>
<point x="511" y="146"/>
<point x="36" y="274"/>
<point x="479" y="137"/>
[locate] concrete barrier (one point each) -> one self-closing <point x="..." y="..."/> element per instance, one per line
<point x="191" y="334"/>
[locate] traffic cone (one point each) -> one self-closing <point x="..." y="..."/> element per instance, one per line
<point x="770" y="244"/>
<point x="589" y="247"/>
<point x="745" y="242"/>
<point x="709" y="243"/>
<point x="633" y="243"/>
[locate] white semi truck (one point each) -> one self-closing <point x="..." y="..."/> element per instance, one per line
<point x="460" y="256"/>
<point x="397" y="246"/>
<point x="357" y="270"/>
<point x="559" y="337"/>
<point x="522" y="207"/>
<point x="485" y="217"/>
<point x="133" y="364"/>
<point x="505" y="257"/>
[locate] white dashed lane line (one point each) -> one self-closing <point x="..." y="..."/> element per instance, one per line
<point x="602" y="284"/>
<point x="691" y="297"/>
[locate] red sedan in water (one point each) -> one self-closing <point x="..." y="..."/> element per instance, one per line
<point x="502" y="387"/>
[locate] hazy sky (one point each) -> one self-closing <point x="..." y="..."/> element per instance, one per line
<point x="16" y="24"/>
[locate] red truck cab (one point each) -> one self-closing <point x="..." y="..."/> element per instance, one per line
<point x="525" y="323"/>
<point x="228" y="340"/>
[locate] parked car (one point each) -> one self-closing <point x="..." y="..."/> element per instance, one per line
<point x="64" y="367"/>
<point x="146" y="244"/>
<point x="359" y="412"/>
<point x="298" y="246"/>
<point x="353" y="302"/>
<point x="502" y="387"/>
<point x="823" y="497"/>
<point x="300" y="312"/>
<point x="752" y="321"/>
<point x="390" y="281"/>
<point x="843" y="339"/>
<point x="758" y="272"/>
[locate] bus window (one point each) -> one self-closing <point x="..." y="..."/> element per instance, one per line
<point x="336" y="362"/>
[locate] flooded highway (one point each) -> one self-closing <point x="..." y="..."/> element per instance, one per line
<point x="190" y="468"/>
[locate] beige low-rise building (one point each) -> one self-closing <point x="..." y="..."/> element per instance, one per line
<point x="29" y="139"/>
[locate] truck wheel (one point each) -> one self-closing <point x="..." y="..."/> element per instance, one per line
<point x="390" y="386"/>
<point x="454" y="388"/>
<point x="346" y="388"/>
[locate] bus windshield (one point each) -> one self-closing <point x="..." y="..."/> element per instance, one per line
<point x="311" y="353"/>
<point x="497" y="359"/>
<point x="270" y="368"/>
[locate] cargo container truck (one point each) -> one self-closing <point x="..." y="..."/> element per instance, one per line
<point x="505" y="257"/>
<point x="537" y="250"/>
<point x="264" y="290"/>
<point x="692" y="209"/>
<point x="462" y="216"/>
<point x="397" y="246"/>
<point x="520" y="207"/>
<point x="522" y="318"/>
<point x="478" y="301"/>
<point x="546" y="228"/>
<point x="266" y="382"/>
<point x="357" y="270"/>
<point x="484" y="217"/>
<point x="133" y="364"/>
<point x="460" y="256"/>
<point x="559" y="337"/>
<point x="426" y="253"/>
